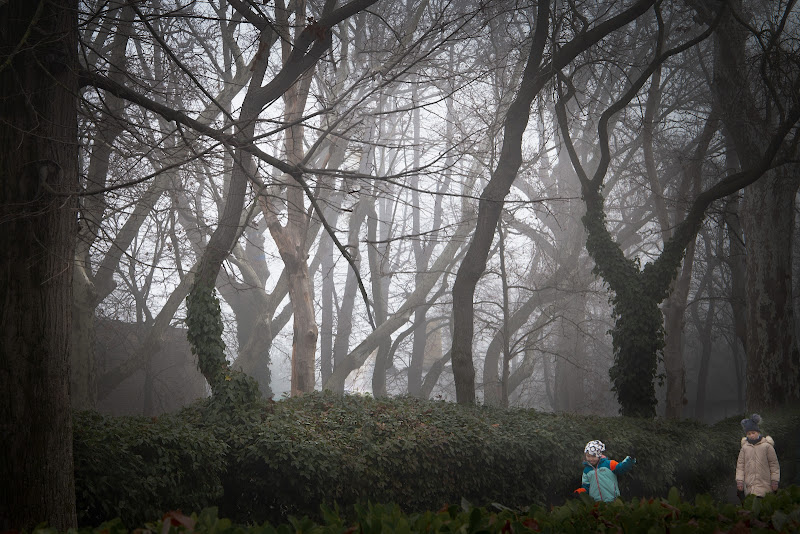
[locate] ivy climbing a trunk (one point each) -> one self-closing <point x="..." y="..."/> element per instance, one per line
<point x="204" y="320"/>
<point x="636" y="293"/>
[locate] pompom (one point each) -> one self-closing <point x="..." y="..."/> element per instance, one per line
<point x="756" y="418"/>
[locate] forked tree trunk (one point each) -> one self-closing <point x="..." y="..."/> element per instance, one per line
<point x="38" y="172"/>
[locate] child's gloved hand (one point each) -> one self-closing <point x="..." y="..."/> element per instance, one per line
<point x="739" y="485"/>
<point x="629" y="458"/>
<point x="774" y="486"/>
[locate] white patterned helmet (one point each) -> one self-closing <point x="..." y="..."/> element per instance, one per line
<point x="595" y="448"/>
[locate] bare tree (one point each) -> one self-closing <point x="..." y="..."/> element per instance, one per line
<point x="637" y="292"/>
<point x="538" y="72"/>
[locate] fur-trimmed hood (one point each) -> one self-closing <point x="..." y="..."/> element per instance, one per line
<point x="764" y="439"/>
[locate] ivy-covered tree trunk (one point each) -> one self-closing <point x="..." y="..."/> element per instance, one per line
<point x="38" y="178"/>
<point x="638" y="333"/>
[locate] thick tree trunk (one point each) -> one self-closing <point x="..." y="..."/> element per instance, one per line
<point x="254" y="333"/>
<point x="38" y="172"/>
<point x="773" y="359"/>
<point x="767" y="211"/>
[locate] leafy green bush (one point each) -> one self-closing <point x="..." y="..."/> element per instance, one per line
<point x="326" y="449"/>
<point x="289" y="457"/>
<point x="134" y="468"/>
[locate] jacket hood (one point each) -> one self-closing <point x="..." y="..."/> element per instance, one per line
<point x="764" y="439"/>
<point x="599" y="462"/>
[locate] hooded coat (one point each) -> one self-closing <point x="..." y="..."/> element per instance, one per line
<point x="600" y="481"/>
<point x="758" y="466"/>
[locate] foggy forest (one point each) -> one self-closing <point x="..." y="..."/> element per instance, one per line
<point x="573" y="206"/>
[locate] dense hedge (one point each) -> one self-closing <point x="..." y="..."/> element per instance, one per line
<point x="134" y="468"/>
<point x="275" y="459"/>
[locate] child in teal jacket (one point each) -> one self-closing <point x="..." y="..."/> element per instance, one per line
<point x="600" y="474"/>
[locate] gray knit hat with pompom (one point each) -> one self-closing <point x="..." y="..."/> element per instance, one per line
<point x="752" y="423"/>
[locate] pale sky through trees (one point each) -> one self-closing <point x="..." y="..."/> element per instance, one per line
<point x="402" y="122"/>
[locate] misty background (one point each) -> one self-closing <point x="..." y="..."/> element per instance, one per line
<point x="398" y="129"/>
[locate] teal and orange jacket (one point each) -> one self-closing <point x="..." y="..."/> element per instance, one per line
<point x="601" y="481"/>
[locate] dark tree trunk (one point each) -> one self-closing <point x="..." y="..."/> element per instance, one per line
<point x="767" y="217"/>
<point x="773" y="359"/>
<point x="705" y="325"/>
<point x="38" y="169"/>
<point x="489" y="209"/>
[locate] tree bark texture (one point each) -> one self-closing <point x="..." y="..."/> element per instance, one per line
<point x="773" y="359"/>
<point x="766" y="214"/>
<point x="38" y="173"/>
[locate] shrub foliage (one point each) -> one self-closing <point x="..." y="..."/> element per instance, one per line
<point x="134" y="468"/>
<point x="268" y="460"/>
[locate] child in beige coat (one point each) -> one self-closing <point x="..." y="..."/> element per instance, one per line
<point x="757" y="470"/>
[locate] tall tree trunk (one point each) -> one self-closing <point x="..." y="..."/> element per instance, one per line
<point x="489" y="210"/>
<point x="290" y="239"/>
<point x="773" y="358"/>
<point x="327" y="309"/>
<point x="421" y="256"/>
<point x="377" y="255"/>
<point x="38" y="175"/>
<point x="674" y="311"/>
<point x="767" y="211"/>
